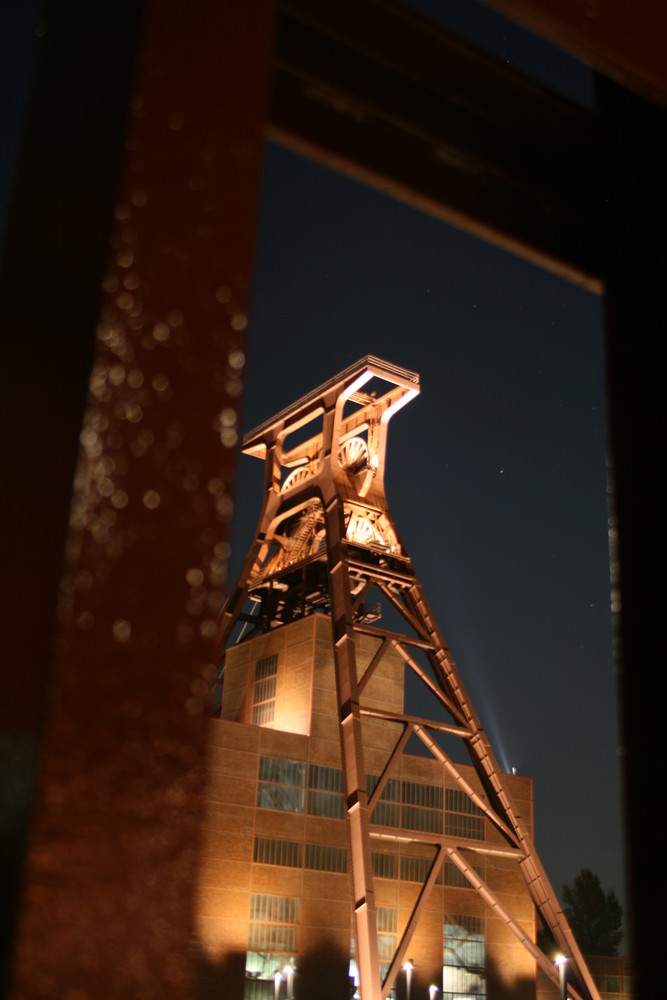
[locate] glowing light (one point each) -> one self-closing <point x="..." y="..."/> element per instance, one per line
<point x="125" y="258"/>
<point x="228" y="417"/>
<point x="561" y="962"/>
<point x="288" y="972"/>
<point x="408" y="968"/>
<point x="151" y="499"/>
<point x="224" y="506"/>
<point x="121" y="630"/>
<point x="236" y="359"/>
<point x="360" y="530"/>
<point x="354" y="454"/>
<point x="161" y="332"/>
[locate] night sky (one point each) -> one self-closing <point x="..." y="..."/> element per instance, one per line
<point x="496" y="475"/>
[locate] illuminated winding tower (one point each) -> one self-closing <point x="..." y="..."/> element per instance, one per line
<point x="329" y="842"/>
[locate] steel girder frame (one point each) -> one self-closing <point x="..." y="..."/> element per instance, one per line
<point x="321" y="480"/>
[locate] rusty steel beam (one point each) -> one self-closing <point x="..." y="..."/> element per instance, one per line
<point x="375" y="662"/>
<point x="402" y="950"/>
<point x="415" y="721"/>
<point x="622" y="40"/>
<point x="546" y="964"/>
<point x="428" y="682"/>
<point x="371" y="89"/>
<point x="357" y="812"/>
<point x="107" y="897"/>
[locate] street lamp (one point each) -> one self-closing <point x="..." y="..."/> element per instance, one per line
<point x="407" y="969"/>
<point x="277" y="980"/>
<point x="289" y="976"/>
<point x="432" y="990"/>
<point x="561" y="962"/>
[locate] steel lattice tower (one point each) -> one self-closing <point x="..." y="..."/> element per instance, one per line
<point x="325" y="538"/>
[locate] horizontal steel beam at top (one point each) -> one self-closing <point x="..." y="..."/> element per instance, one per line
<point x="377" y="92"/>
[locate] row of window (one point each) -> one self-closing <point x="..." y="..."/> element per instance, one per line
<point x="294" y="786"/>
<point x="327" y="858"/>
<point x="293" y="854"/>
<point x="273" y="940"/>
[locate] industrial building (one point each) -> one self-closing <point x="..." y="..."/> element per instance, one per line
<point x="274" y="886"/>
<point x="336" y="857"/>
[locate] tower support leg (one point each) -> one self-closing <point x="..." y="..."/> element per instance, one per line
<point x="352" y="758"/>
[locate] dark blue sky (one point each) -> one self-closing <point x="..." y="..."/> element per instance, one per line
<point x="496" y="473"/>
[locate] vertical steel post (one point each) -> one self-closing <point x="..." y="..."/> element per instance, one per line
<point x="352" y="759"/>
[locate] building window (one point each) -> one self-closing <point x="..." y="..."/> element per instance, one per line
<point x="387" y="811"/>
<point x="384" y="865"/>
<point x="421" y="807"/>
<point x="386" y="918"/>
<point x="462" y="817"/>
<point x="272" y="942"/>
<point x="409" y="804"/>
<point x="264" y="690"/>
<point x="324" y="858"/>
<point x="611" y="975"/>
<point x="325" y="792"/>
<point x="268" y="851"/>
<point x="274" y="925"/>
<point x="415" y="869"/>
<point x="294" y="786"/>
<point x="455" y="878"/>
<point x="282" y="784"/>
<point x="463" y="957"/>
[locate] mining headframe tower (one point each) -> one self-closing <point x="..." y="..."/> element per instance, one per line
<point x="313" y="694"/>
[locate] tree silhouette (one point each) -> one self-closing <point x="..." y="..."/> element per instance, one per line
<point x="594" y="915"/>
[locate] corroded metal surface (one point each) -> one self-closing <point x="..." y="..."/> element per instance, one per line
<point x="111" y="865"/>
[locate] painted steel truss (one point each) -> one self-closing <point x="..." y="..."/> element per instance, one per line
<point x="325" y="541"/>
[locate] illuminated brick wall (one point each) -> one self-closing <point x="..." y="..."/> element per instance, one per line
<point x="273" y="883"/>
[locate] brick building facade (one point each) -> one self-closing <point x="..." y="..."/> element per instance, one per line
<point x="274" y="891"/>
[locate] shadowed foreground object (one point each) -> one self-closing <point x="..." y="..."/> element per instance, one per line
<point x="110" y="869"/>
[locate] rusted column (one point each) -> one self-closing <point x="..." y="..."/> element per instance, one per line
<point x="352" y="757"/>
<point x="107" y="897"/>
<point x="636" y="316"/>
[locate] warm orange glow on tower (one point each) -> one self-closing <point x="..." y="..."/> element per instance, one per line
<point x="323" y="807"/>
